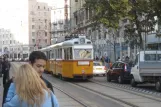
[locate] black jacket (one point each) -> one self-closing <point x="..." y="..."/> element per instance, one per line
<point x="7" y="85"/>
<point x="5" y="66"/>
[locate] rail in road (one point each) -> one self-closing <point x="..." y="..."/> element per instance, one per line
<point x="131" y="93"/>
<point x="15" y="68"/>
<point x="128" y="96"/>
<point x="149" y="93"/>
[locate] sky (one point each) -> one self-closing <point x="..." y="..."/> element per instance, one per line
<point x="14" y="16"/>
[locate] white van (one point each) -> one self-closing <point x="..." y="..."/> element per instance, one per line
<point x="147" y="68"/>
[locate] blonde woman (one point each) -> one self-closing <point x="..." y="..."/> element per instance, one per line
<point x="29" y="90"/>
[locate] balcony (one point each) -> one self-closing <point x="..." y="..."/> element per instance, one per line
<point x="55" y="23"/>
<point x="60" y="21"/>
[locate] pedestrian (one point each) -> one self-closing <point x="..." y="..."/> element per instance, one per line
<point x="0" y="67"/>
<point x="5" y="70"/>
<point x="29" y="90"/>
<point x="107" y="60"/>
<point x="37" y="60"/>
<point x="97" y="58"/>
<point x="118" y="59"/>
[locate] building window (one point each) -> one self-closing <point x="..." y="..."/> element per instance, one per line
<point x="99" y="36"/>
<point x="87" y="10"/>
<point x="33" y="27"/>
<point x="33" y="40"/>
<point x="33" y="34"/>
<point x="46" y="41"/>
<point x="76" y="0"/>
<point x="33" y="20"/>
<point x="45" y="20"/>
<point x="39" y="27"/>
<point x="3" y="42"/>
<point x="10" y="42"/>
<point x="46" y="34"/>
<point x="38" y="7"/>
<point x="44" y="7"/>
<point x="105" y="35"/>
<point x="76" y="20"/>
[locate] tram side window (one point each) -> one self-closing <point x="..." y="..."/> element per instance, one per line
<point x="68" y="53"/>
<point x="51" y="54"/>
<point x="60" y="53"/>
<point x="54" y="53"/>
<point x="65" y="54"/>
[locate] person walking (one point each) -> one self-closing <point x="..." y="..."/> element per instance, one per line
<point x="37" y="60"/>
<point x="5" y="70"/>
<point x="29" y="90"/>
<point x="0" y="67"/>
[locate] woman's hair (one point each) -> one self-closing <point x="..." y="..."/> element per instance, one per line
<point x="29" y="86"/>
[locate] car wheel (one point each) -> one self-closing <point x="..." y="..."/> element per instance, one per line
<point x="133" y="82"/>
<point x="158" y="85"/>
<point x="108" y="78"/>
<point x="120" y="79"/>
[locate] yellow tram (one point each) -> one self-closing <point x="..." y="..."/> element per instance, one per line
<point x="71" y="59"/>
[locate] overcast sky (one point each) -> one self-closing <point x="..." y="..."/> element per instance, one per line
<point x="14" y="16"/>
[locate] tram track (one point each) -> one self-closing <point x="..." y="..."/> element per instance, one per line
<point x="125" y="87"/>
<point x="69" y="95"/>
<point x="156" y="99"/>
<point x="15" y="67"/>
<point x="129" y="91"/>
<point x="105" y="95"/>
<point x="121" y="87"/>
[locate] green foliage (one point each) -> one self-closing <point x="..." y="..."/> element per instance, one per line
<point x="108" y="12"/>
<point x="140" y="14"/>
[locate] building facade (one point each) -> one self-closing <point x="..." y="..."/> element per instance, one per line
<point x="104" y="43"/>
<point x="11" y="47"/>
<point x="60" y="21"/>
<point x="39" y="17"/>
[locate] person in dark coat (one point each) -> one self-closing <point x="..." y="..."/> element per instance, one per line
<point x="37" y="59"/>
<point x="5" y="70"/>
<point x="0" y="67"/>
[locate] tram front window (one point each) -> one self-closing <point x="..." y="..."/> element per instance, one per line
<point x="83" y="53"/>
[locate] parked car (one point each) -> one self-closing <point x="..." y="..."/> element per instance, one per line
<point x="98" y="68"/>
<point x="147" y="69"/>
<point x="119" y="71"/>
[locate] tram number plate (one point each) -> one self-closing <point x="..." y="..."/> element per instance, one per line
<point x="83" y="62"/>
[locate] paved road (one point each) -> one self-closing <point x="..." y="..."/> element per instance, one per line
<point x="96" y="100"/>
<point x="90" y="98"/>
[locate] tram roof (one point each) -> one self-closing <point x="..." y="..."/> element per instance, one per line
<point x="66" y="43"/>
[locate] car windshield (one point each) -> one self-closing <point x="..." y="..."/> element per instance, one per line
<point x="97" y="64"/>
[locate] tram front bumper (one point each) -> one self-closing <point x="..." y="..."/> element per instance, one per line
<point x="82" y="76"/>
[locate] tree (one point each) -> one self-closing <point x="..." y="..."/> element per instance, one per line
<point x="108" y="12"/>
<point x="141" y="21"/>
<point x="140" y="14"/>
